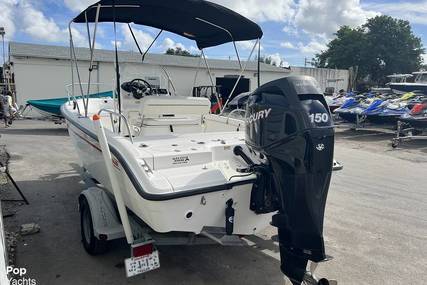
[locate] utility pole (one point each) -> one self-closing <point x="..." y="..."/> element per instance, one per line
<point x="306" y="61"/>
<point x="2" y="33"/>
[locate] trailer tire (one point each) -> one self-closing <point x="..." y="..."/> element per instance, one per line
<point x="394" y="144"/>
<point x="91" y="244"/>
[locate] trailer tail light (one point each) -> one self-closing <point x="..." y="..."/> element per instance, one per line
<point x="142" y="249"/>
<point x="418" y="108"/>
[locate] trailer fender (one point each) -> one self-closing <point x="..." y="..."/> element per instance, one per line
<point x="104" y="215"/>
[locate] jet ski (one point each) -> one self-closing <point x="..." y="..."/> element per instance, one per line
<point x="396" y="108"/>
<point x="352" y="109"/>
<point x="345" y="111"/>
<point x="417" y="117"/>
<point x="373" y="109"/>
<point x="335" y="102"/>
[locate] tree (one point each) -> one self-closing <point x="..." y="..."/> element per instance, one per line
<point x="344" y="51"/>
<point x="179" y="51"/>
<point x="380" y="47"/>
<point x="267" y="60"/>
<point x="270" y="60"/>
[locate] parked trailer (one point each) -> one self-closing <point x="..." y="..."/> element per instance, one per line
<point x="405" y="133"/>
<point x="101" y="223"/>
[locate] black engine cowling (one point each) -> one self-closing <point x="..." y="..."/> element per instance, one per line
<point x="288" y="121"/>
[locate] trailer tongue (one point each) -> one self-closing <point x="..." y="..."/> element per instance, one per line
<point x="289" y="126"/>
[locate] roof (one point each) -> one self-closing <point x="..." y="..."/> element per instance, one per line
<point x="60" y="52"/>
<point x="207" y="23"/>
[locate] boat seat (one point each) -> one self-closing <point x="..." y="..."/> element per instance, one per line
<point x="166" y="106"/>
<point x="182" y="121"/>
<point x="214" y="123"/>
<point x="161" y="115"/>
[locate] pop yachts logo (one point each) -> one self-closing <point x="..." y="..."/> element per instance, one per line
<point x="18" y="276"/>
<point x="259" y="115"/>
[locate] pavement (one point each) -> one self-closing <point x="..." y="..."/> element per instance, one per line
<point x="375" y="223"/>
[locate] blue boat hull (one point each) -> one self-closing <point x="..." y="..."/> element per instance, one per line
<point x="408" y="87"/>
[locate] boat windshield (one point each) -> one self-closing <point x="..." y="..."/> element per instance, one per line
<point x="421" y="78"/>
<point x="399" y="78"/>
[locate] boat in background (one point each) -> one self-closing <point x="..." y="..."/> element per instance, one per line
<point x="419" y="84"/>
<point x="52" y="107"/>
<point x="394" y="78"/>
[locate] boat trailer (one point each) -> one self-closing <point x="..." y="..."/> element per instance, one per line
<point x="405" y="134"/>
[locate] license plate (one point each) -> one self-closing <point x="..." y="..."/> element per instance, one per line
<point x="142" y="264"/>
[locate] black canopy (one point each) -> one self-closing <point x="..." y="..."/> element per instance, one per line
<point x="206" y="23"/>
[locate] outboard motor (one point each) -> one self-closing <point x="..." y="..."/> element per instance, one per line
<point x="290" y="126"/>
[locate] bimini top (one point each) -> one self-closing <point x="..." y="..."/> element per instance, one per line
<point x="206" y="23"/>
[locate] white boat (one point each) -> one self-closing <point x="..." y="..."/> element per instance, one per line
<point x="419" y="84"/>
<point x="394" y="78"/>
<point x="179" y="155"/>
<point x="177" y="168"/>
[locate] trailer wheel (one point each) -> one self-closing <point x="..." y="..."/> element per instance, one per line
<point x="92" y="244"/>
<point x="394" y="144"/>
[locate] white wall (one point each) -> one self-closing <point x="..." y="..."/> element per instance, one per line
<point x="323" y="74"/>
<point x="46" y="78"/>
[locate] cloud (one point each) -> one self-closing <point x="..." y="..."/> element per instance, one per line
<point x="169" y="43"/>
<point x="325" y="17"/>
<point x="38" y="26"/>
<point x="144" y="39"/>
<point x="247" y="45"/>
<point x="80" y="39"/>
<point x="78" y="5"/>
<point x="288" y="45"/>
<point x="415" y="12"/>
<point x="278" y="60"/>
<point x="312" y="47"/>
<point x="261" y="10"/>
<point x="7" y="15"/>
<point x="119" y="44"/>
<point x="290" y="29"/>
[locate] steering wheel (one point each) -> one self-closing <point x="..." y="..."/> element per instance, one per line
<point x="138" y="87"/>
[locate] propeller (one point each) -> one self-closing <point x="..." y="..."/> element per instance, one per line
<point x="311" y="279"/>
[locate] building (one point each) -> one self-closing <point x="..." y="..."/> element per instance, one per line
<point x="42" y="71"/>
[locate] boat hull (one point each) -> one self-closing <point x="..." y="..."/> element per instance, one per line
<point x="349" y="117"/>
<point x="168" y="214"/>
<point x="378" y="119"/>
<point x="408" y="87"/>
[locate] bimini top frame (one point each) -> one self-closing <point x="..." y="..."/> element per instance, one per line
<point x="208" y="24"/>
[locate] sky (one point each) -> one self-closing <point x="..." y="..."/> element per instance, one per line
<point x="294" y="30"/>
